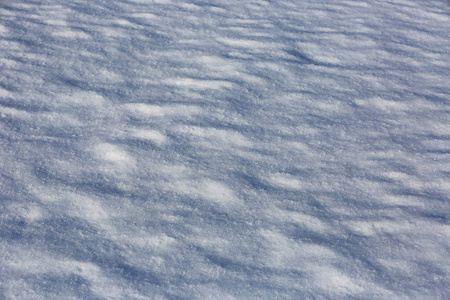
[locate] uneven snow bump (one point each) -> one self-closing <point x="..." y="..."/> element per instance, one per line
<point x="210" y="190"/>
<point x="149" y="110"/>
<point x="148" y="135"/>
<point x="199" y="84"/>
<point x="113" y="154"/>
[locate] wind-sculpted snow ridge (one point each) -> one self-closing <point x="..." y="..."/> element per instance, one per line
<point x="199" y="149"/>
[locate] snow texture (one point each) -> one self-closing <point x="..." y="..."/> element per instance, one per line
<point x="175" y="149"/>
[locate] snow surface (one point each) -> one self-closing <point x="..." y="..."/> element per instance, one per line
<point x="174" y="149"/>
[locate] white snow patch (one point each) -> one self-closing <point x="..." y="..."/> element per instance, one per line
<point x="3" y="29"/>
<point x="149" y="135"/>
<point x="31" y="213"/>
<point x="208" y="189"/>
<point x="383" y="104"/>
<point x="406" y="179"/>
<point x="285" y="253"/>
<point x="112" y="153"/>
<point x="308" y="221"/>
<point x="7" y="63"/>
<point x="81" y="99"/>
<point x="402" y="200"/>
<point x="175" y="171"/>
<point x="124" y="22"/>
<point x="334" y="281"/>
<point x="246" y="43"/>
<point x="56" y="22"/>
<point x="144" y="15"/>
<point x="216" y="63"/>
<point x="160" y="242"/>
<point x="213" y="137"/>
<point x="201" y="84"/>
<point x="88" y="208"/>
<point x="286" y="181"/>
<point x="70" y="34"/>
<point x="33" y="262"/>
<point x="14" y="112"/>
<point x="149" y="110"/>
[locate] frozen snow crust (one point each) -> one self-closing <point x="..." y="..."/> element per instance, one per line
<point x="224" y="149"/>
